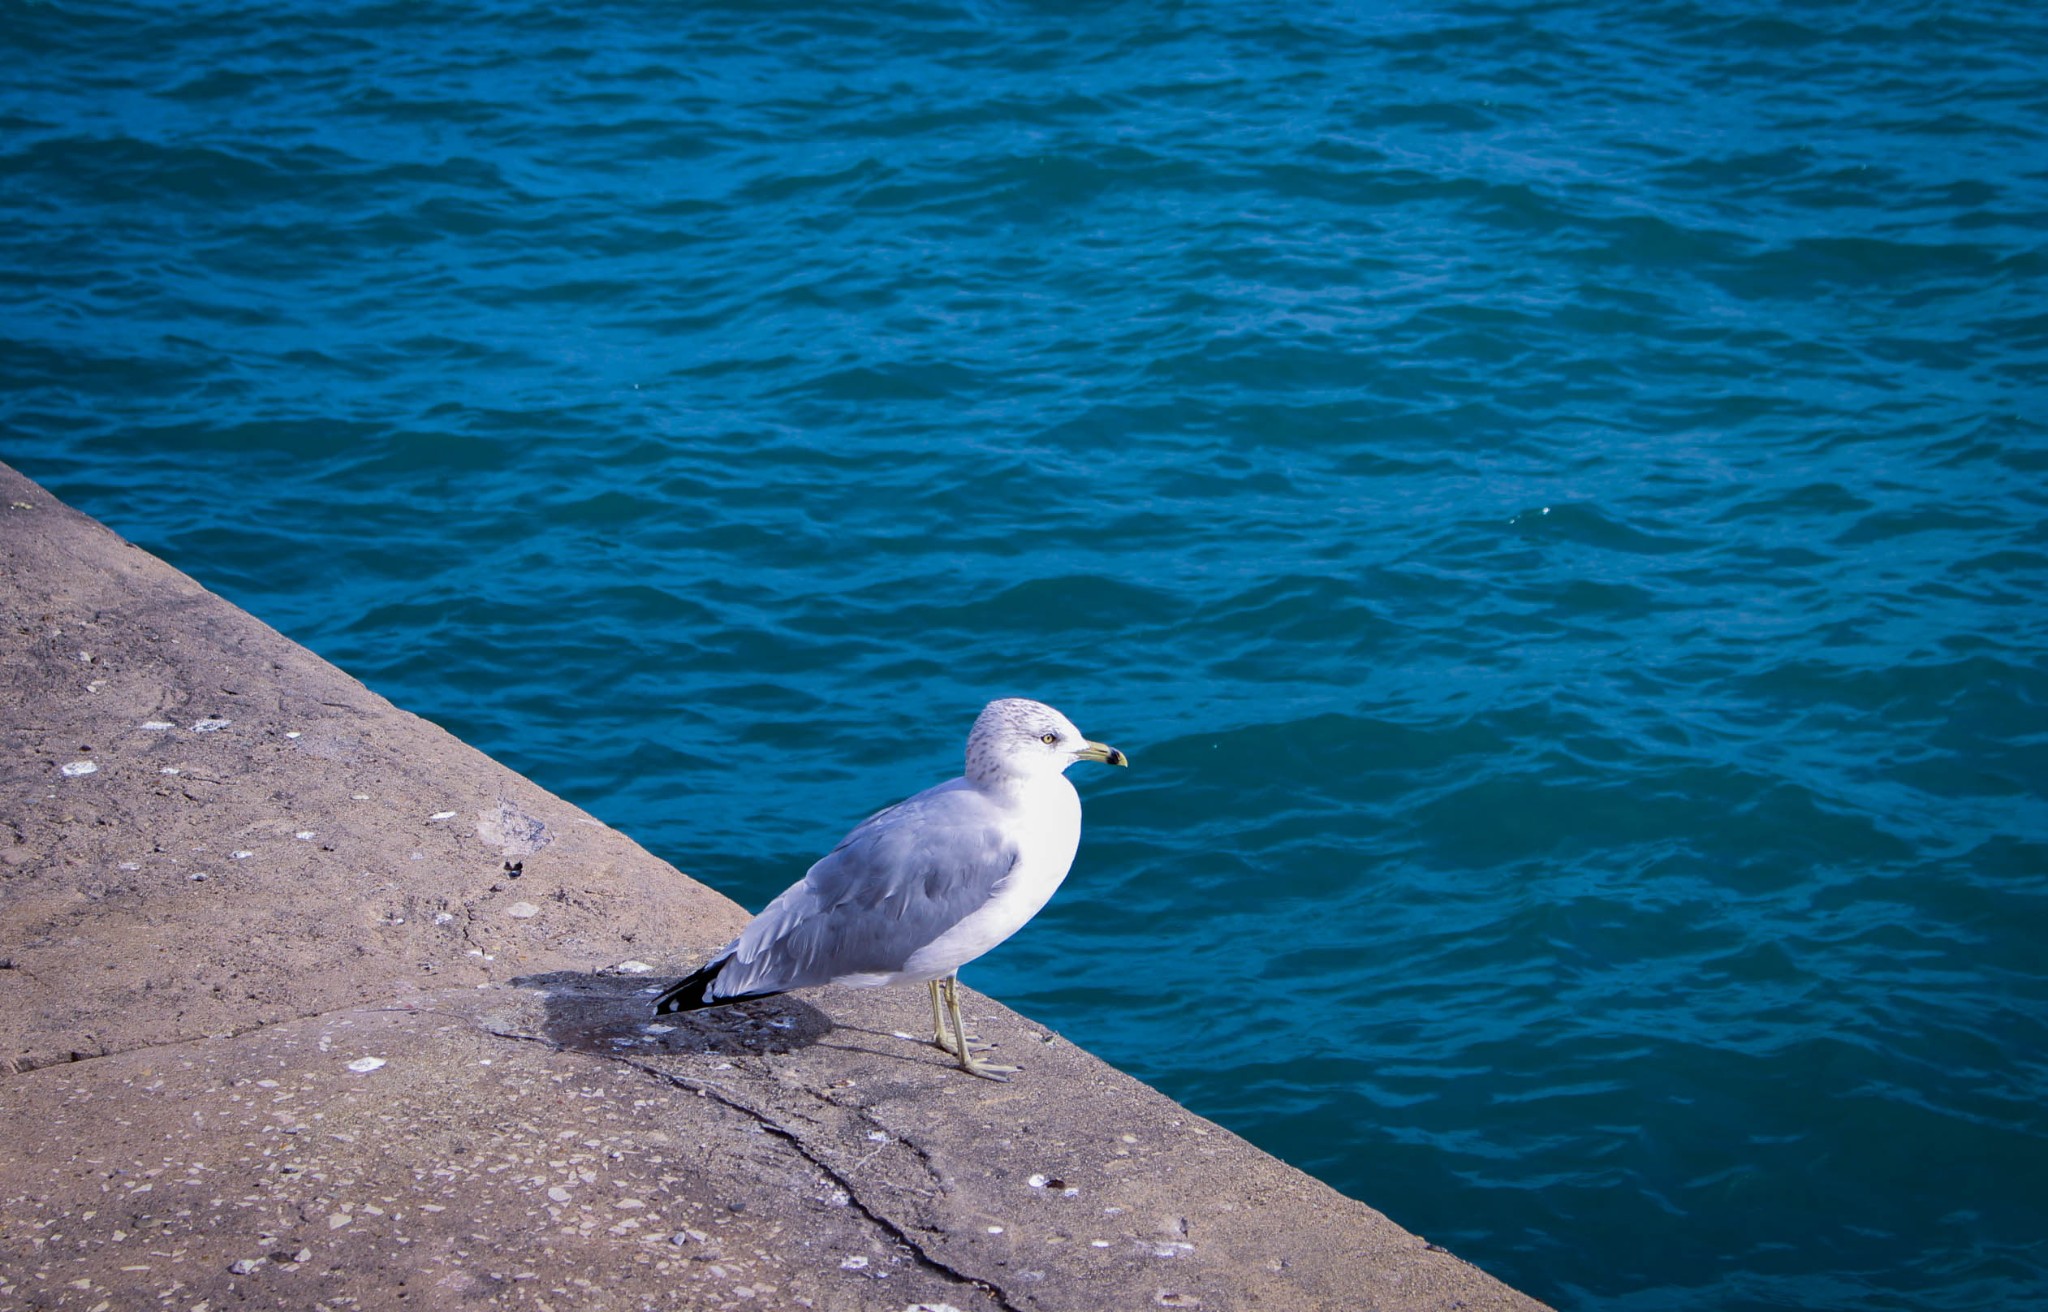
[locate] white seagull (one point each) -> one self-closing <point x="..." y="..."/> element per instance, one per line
<point x="921" y="889"/>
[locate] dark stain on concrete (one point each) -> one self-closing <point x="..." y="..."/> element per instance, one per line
<point x="612" y="1014"/>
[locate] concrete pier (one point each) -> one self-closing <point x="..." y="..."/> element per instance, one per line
<point x="306" y="1004"/>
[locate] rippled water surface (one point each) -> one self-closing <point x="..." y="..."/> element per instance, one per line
<point x="1550" y="496"/>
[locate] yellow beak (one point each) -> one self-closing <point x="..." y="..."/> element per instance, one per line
<point x="1104" y="753"/>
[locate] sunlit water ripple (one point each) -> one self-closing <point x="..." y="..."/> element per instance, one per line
<point x="1550" y="496"/>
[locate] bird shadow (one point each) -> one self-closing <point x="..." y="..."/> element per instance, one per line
<point x="614" y="1015"/>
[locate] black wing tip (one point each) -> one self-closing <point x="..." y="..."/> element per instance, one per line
<point x="687" y="993"/>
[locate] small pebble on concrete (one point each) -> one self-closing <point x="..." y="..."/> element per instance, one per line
<point x="364" y="1065"/>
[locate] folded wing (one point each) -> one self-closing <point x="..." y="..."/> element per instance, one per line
<point x="902" y="878"/>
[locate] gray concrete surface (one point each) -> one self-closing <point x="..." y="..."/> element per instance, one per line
<point x="281" y="1029"/>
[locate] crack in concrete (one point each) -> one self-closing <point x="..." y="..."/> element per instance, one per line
<point x="24" y="1066"/>
<point x="717" y="1092"/>
<point x="469" y="920"/>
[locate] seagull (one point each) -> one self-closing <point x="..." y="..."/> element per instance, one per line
<point x="919" y="890"/>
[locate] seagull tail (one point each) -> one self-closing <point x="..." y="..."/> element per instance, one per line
<point x="688" y="993"/>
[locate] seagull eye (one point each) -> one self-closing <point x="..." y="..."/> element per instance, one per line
<point x="1049" y="738"/>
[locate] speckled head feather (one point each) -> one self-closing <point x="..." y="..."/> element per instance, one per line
<point x="1008" y="741"/>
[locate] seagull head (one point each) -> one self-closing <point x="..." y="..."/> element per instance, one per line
<point x="1017" y="738"/>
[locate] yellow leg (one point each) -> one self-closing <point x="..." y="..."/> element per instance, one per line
<point x="939" y="1035"/>
<point x="968" y="1061"/>
<point x="942" y="1038"/>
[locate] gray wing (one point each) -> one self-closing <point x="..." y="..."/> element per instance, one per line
<point x="903" y="877"/>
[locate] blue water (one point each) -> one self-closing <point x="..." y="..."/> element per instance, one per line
<point x="1551" y="497"/>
